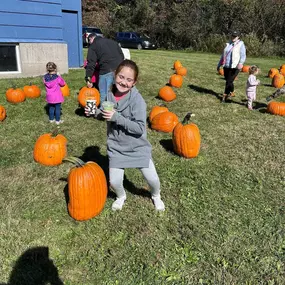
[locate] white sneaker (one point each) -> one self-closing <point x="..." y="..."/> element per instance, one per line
<point x="158" y="203"/>
<point x="118" y="204"/>
<point x="59" y="122"/>
<point x="51" y="121"/>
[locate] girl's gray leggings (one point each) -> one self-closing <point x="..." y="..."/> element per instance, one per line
<point x="150" y="175"/>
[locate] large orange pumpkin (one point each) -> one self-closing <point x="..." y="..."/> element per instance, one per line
<point x="276" y="108"/>
<point x="272" y="72"/>
<point x="87" y="189"/>
<point x="278" y="80"/>
<point x="164" y="122"/>
<point x="15" y="95"/>
<point x="65" y="90"/>
<point x="177" y="64"/>
<point x="88" y="93"/>
<point x="186" y="138"/>
<point x="32" y="91"/>
<point x="245" y="68"/>
<point x="155" y="111"/>
<point x="50" y="149"/>
<point x="176" y="80"/>
<point x="167" y="94"/>
<point x="2" y="113"/>
<point x="181" y="71"/>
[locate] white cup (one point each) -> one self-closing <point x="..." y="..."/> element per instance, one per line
<point x="90" y="107"/>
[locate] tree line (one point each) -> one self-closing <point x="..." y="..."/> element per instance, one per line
<point x="200" y="25"/>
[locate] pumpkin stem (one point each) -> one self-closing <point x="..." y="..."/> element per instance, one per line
<point x="75" y="160"/>
<point x="187" y="118"/>
<point x="54" y="133"/>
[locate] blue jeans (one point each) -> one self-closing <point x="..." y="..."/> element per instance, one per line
<point x="54" y="109"/>
<point x="105" y="83"/>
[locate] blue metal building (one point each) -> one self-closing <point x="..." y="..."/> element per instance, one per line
<point x="33" y="32"/>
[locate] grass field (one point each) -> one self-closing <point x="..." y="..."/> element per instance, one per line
<point x="224" y="219"/>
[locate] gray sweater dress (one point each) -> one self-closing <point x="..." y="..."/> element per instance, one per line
<point x="127" y="143"/>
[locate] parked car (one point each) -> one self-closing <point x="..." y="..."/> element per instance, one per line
<point x="134" y="40"/>
<point x="86" y="31"/>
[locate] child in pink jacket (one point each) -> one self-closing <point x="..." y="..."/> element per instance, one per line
<point x="53" y="81"/>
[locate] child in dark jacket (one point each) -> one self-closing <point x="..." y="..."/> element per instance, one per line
<point x="127" y="143"/>
<point x="54" y="97"/>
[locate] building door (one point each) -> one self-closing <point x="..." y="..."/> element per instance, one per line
<point x="71" y="37"/>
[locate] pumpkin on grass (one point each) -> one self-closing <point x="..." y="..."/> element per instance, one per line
<point x="176" y="80"/>
<point x="65" y="90"/>
<point x="276" y="108"/>
<point x="2" y="113"/>
<point x="167" y="94"/>
<point x="50" y="149"/>
<point x="221" y="71"/>
<point x="87" y="189"/>
<point x="164" y="122"/>
<point x="272" y="72"/>
<point x="181" y="71"/>
<point x="177" y="64"/>
<point x="278" y="80"/>
<point x="88" y="93"/>
<point x="155" y="111"/>
<point x="245" y="68"/>
<point x="15" y="95"/>
<point x="32" y="91"/>
<point x="186" y="138"/>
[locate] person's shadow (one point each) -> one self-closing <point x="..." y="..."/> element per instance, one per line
<point x="205" y="90"/>
<point x="34" y="267"/>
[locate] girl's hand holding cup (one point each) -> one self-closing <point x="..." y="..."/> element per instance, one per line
<point x="108" y="110"/>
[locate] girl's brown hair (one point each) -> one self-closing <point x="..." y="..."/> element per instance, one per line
<point x="253" y="69"/>
<point x="128" y="63"/>
<point x="51" y="66"/>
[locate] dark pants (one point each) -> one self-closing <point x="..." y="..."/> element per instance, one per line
<point x="230" y="74"/>
<point x="54" y="110"/>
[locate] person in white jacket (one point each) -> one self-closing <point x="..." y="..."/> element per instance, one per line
<point x="232" y="60"/>
<point x="251" y="84"/>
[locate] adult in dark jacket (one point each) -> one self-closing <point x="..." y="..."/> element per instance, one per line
<point x="109" y="55"/>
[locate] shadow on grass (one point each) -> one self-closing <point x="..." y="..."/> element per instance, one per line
<point x="167" y="145"/>
<point x="34" y="267"/>
<point x="80" y="112"/>
<point x="205" y="90"/>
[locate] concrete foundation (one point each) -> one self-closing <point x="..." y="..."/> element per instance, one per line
<point x="33" y="58"/>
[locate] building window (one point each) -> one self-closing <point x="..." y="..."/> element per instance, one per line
<point x="9" y="58"/>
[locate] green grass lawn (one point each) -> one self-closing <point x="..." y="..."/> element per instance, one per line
<point x="224" y="218"/>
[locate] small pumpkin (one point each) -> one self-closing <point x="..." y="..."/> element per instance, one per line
<point x="177" y="64"/>
<point x="221" y="71"/>
<point x="181" y="71"/>
<point x="276" y="108"/>
<point x="2" y="113"/>
<point x="65" y="90"/>
<point x="176" y="80"/>
<point x="155" y="111"/>
<point x="272" y="72"/>
<point x="87" y="189"/>
<point x="15" y="96"/>
<point x="167" y="94"/>
<point x="278" y="80"/>
<point x="50" y="149"/>
<point x="164" y="122"/>
<point x="186" y="138"/>
<point x="32" y="91"/>
<point x="88" y="93"/>
<point x="245" y="68"/>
